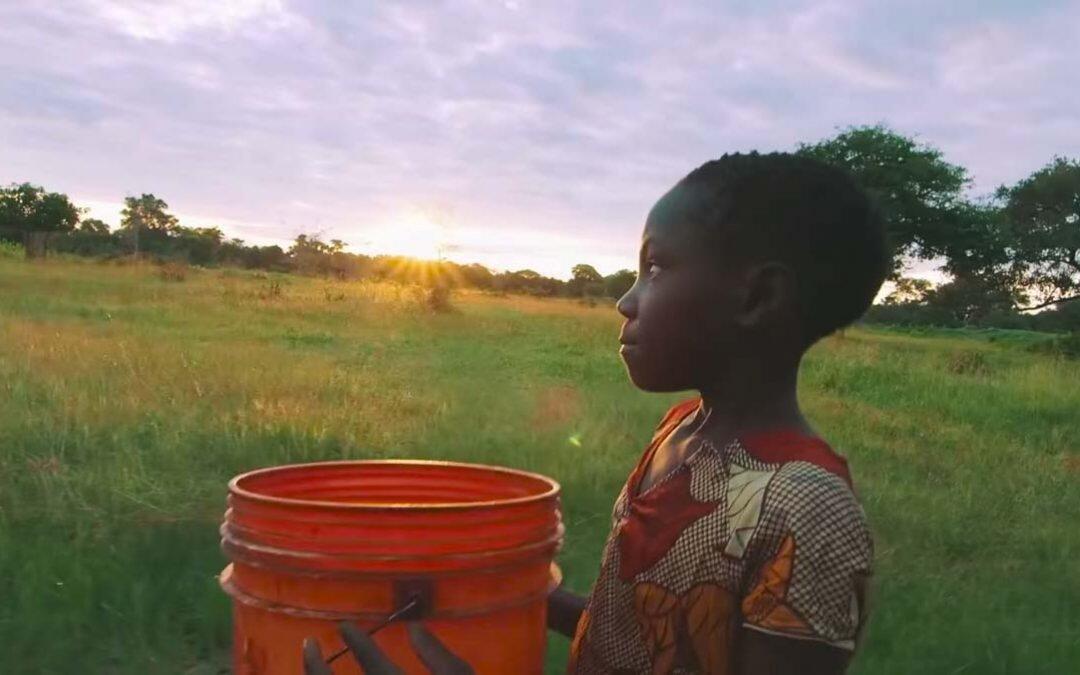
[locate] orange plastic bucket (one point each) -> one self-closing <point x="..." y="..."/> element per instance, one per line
<point x="313" y="544"/>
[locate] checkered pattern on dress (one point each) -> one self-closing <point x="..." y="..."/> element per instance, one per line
<point x="833" y="550"/>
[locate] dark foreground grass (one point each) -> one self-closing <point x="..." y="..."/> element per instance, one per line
<point x="127" y="402"/>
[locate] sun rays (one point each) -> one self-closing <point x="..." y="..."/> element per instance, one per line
<point x="428" y="273"/>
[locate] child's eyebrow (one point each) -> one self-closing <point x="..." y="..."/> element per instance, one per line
<point x="651" y="247"/>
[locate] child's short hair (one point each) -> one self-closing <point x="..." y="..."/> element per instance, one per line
<point x="799" y="211"/>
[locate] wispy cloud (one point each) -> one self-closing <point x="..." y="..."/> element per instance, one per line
<point x="545" y="129"/>
<point x="171" y="21"/>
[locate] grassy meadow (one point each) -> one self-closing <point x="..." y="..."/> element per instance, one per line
<point x="128" y="400"/>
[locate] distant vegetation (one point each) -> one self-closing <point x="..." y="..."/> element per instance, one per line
<point x="149" y="232"/>
<point x="1004" y="255"/>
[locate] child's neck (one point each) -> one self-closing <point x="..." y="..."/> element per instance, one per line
<point x="751" y="398"/>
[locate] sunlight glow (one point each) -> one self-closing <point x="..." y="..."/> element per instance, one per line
<point x="422" y="244"/>
<point x="414" y="235"/>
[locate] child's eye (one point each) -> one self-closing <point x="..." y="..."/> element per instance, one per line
<point x="653" y="269"/>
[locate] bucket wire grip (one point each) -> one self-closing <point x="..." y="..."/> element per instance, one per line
<point x="414" y="596"/>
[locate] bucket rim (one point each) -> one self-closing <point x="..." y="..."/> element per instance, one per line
<point x="553" y="487"/>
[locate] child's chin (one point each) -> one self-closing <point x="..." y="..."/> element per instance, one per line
<point x="652" y="384"/>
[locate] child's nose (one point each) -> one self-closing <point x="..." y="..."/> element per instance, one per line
<point x="627" y="304"/>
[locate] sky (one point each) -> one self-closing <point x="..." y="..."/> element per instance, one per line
<point x="512" y="133"/>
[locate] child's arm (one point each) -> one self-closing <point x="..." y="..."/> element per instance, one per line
<point x="564" y="611"/>
<point x="762" y="654"/>
<point x="807" y="604"/>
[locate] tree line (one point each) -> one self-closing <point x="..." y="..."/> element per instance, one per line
<point x="42" y="221"/>
<point x="1004" y="254"/>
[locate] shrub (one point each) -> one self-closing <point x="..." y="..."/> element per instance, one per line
<point x="272" y="290"/>
<point x="333" y="296"/>
<point x="969" y="362"/>
<point x="173" y="271"/>
<point x="11" y="250"/>
<point x="910" y="315"/>
<point x="1066" y="346"/>
<point x="437" y="298"/>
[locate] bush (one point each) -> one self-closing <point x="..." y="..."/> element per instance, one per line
<point x="333" y="296"/>
<point x="910" y="315"/>
<point x="437" y="298"/>
<point x="1066" y="346"/>
<point x="89" y="244"/>
<point x="1065" y="318"/>
<point x="1008" y="319"/>
<point x="969" y="362"/>
<point x="272" y="290"/>
<point x="173" y="271"/>
<point x="11" y="250"/>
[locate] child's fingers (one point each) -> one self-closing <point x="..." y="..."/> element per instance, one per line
<point x="434" y="654"/>
<point x="366" y="652"/>
<point x="314" y="664"/>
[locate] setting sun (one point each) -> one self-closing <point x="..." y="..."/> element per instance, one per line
<point x="414" y="235"/>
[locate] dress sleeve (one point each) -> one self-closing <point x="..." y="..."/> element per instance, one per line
<point x="812" y="561"/>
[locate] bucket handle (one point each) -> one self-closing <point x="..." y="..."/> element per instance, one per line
<point x="413" y="598"/>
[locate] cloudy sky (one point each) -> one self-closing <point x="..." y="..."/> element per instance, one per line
<point x="513" y="133"/>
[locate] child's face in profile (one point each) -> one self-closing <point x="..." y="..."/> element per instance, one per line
<point x="680" y="312"/>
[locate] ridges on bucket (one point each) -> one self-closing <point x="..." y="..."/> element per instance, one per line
<point x="313" y="544"/>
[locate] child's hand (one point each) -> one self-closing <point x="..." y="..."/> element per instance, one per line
<point x="564" y="610"/>
<point x="438" y="659"/>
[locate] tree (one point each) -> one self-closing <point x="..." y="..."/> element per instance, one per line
<point x="145" y="218"/>
<point x="969" y="299"/>
<point x="33" y="214"/>
<point x="201" y="245"/>
<point x="527" y="281"/>
<point x="918" y="191"/>
<point x="1063" y="318"/>
<point x="616" y="285"/>
<point x="312" y="244"/>
<point x="311" y="255"/>
<point x="477" y="276"/>
<point x="149" y="213"/>
<point x="1040" y="229"/>
<point x="978" y="248"/>
<point x="585" y="273"/>
<point x="91" y="238"/>
<point x="585" y="280"/>
<point x="94" y="226"/>
<point x="909" y="291"/>
<point x="271" y="258"/>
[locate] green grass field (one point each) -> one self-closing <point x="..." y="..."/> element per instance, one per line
<point x="127" y="402"/>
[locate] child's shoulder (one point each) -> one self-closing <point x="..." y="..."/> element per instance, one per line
<point x="803" y="491"/>
<point x="808" y="492"/>
<point x="774" y="447"/>
<point x="784" y="447"/>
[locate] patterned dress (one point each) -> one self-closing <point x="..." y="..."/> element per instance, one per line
<point x="764" y="534"/>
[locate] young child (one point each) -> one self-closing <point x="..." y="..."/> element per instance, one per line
<point x="737" y="544"/>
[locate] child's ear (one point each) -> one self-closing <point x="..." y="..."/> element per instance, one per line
<point x="770" y="292"/>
